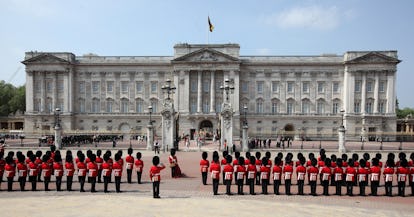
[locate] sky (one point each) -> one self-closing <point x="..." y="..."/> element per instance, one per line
<point x="153" y="27"/>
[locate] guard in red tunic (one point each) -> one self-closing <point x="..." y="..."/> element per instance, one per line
<point x="39" y="165"/>
<point x="22" y="171"/>
<point x="46" y="171"/>
<point x="313" y="176"/>
<point x="264" y="173"/>
<point x="350" y="174"/>
<point x="58" y="170"/>
<point x="99" y="162"/>
<point x="277" y="175"/>
<point x="175" y="169"/>
<point x="92" y="171"/>
<point x="204" y="164"/>
<point x="139" y="166"/>
<point x="215" y="172"/>
<point x="362" y="177"/>
<point x="117" y="168"/>
<point x="70" y="171"/>
<point x="129" y="165"/>
<point x="301" y="174"/>
<point x="326" y="176"/>
<point x="402" y="176"/>
<point x="246" y="165"/>
<point x="388" y="176"/>
<point x="9" y="170"/>
<point x="32" y="167"/>
<point x="251" y="174"/>
<point x="223" y="162"/>
<point x="228" y="174"/>
<point x="375" y="171"/>
<point x="338" y="174"/>
<point x="235" y="164"/>
<point x="258" y="164"/>
<point x="411" y="179"/>
<point x="240" y="173"/>
<point x="106" y="171"/>
<point x="287" y="174"/>
<point x="155" y="176"/>
<point x="81" y="171"/>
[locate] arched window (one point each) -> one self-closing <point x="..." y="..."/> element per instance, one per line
<point x="290" y="106"/>
<point x="320" y="106"/>
<point x="139" y="105"/>
<point x="275" y="106"/>
<point x="81" y="105"/>
<point x="96" y="105"/>
<point x="154" y="104"/>
<point x="124" y="105"/>
<point x="259" y="106"/>
<point x="109" y="105"/>
<point x="305" y="106"/>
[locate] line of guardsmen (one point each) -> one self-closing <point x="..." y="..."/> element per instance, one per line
<point x="333" y="171"/>
<point x="38" y="166"/>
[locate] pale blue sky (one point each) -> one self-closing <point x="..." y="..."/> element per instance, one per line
<point x="267" y="27"/>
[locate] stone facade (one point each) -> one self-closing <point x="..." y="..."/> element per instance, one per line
<point x="298" y="96"/>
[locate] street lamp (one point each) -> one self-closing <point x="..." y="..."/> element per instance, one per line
<point x="227" y="88"/>
<point x="150" y="112"/>
<point x="57" y="120"/>
<point x="58" y="139"/>
<point x="167" y="88"/>
<point x="245" y="115"/>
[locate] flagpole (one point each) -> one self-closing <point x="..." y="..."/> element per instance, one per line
<point x="208" y="32"/>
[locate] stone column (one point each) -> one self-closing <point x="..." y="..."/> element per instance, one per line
<point x="43" y="93"/>
<point x="150" y="137"/>
<point x="29" y="91"/>
<point x="376" y="89"/>
<point x="55" y="92"/>
<point x="341" y="140"/>
<point x="58" y="137"/>
<point x="363" y="93"/>
<point x="245" y="143"/>
<point x="212" y="93"/>
<point x="199" y="92"/>
<point x="168" y="125"/>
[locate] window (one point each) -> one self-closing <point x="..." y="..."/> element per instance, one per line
<point x="290" y="88"/>
<point x="274" y="107"/>
<point x="368" y="108"/>
<point x="124" y="106"/>
<point x="335" y="108"/>
<point x="289" y="108"/>
<point x="154" y="87"/>
<point x="275" y="86"/>
<point x="49" y="106"/>
<point x="382" y="86"/>
<point x="60" y="105"/>
<point x="357" y="107"/>
<point x="109" y="105"/>
<point x="125" y="87"/>
<point x="109" y="86"/>
<point x="321" y="87"/>
<point x="37" y="105"/>
<point x="381" y="107"/>
<point x="260" y="86"/>
<point x="138" y="105"/>
<point x="81" y="87"/>
<point x="320" y="107"/>
<point x="305" y="87"/>
<point x="49" y="85"/>
<point x="369" y="86"/>
<point x="60" y="86"/>
<point x="206" y="86"/>
<point x="81" y="105"/>
<point x="37" y="86"/>
<point x="193" y="105"/>
<point x="138" y="86"/>
<point x="259" y="106"/>
<point x="245" y="87"/>
<point x="194" y="87"/>
<point x="95" y="86"/>
<point x="96" y="106"/>
<point x="357" y="86"/>
<point x="206" y="106"/>
<point x="154" y="104"/>
<point x="305" y="107"/>
<point x="218" y="105"/>
<point x="335" y="87"/>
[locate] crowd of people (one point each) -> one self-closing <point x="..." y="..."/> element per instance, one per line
<point x="327" y="171"/>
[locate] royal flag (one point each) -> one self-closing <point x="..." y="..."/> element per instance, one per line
<point x="210" y="25"/>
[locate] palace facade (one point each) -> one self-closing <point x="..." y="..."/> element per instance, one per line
<point x="298" y="96"/>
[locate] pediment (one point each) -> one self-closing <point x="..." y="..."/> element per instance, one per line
<point x="206" y="55"/>
<point x="45" y="59"/>
<point x="374" y="57"/>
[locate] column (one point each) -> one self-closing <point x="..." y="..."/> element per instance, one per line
<point x="29" y="91"/>
<point x="390" y="92"/>
<point x="199" y="92"/>
<point x="363" y="93"/>
<point x="212" y="92"/>
<point x="55" y="92"/>
<point x="376" y="88"/>
<point x="177" y="90"/>
<point x="43" y="92"/>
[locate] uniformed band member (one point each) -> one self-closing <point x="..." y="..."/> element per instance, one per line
<point x="362" y="177"/>
<point x="70" y="171"/>
<point x="375" y="171"/>
<point x="2" y="165"/>
<point x="264" y="173"/>
<point x="9" y="170"/>
<point x="301" y="174"/>
<point x="81" y="171"/>
<point x="287" y="174"/>
<point x="313" y="176"/>
<point x="326" y="175"/>
<point x="388" y="176"/>
<point x="228" y="174"/>
<point x="92" y="171"/>
<point x="155" y="176"/>
<point x="402" y="174"/>
<point x="204" y="164"/>
<point x="106" y="171"/>
<point x="22" y="171"/>
<point x="337" y="176"/>
<point x="33" y="172"/>
<point x="350" y="174"/>
<point x="240" y="173"/>
<point x="235" y="164"/>
<point x="277" y="175"/>
<point x="58" y="170"/>
<point x="139" y="166"/>
<point x="99" y="162"/>
<point x="46" y="171"/>
<point x="215" y="172"/>
<point x="251" y="174"/>
<point x="129" y="165"/>
<point x="258" y="166"/>
<point x="117" y="168"/>
<point x="39" y="165"/>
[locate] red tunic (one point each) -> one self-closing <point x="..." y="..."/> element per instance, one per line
<point x="313" y="173"/>
<point x="99" y="162"/>
<point x="58" y="169"/>
<point x="70" y="168"/>
<point x="251" y="171"/>
<point x="117" y="168"/>
<point x="411" y="174"/>
<point x="81" y="169"/>
<point x="350" y="174"/>
<point x="92" y="169"/>
<point x="300" y="172"/>
<point x="338" y="172"/>
<point x="46" y="170"/>
<point x="215" y="170"/>
<point x="264" y="172"/>
<point x="402" y="174"/>
<point x="223" y="161"/>
<point x="375" y="173"/>
<point x="172" y="159"/>
<point x="277" y="172"/>
<point x="33" y="169"/>
<point x="155" y="173"/>
<point x="287" y="172"/>
<point x="2" y="165"/>
<point x="38" y="162"/>
<point x="388" y="174"/>
<point x="228" y="172"/>
<point x="326" y="173"/>
<point x="240" y="172"/>
<point x="106" y="169"/>
<point x="258" y="164"/>
<point x="139" y="165"/>
<point x="22" y="169"/>
<point x="204" y="164"/>
<point x="129" y="162"/>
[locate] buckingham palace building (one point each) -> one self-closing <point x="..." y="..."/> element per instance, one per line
<point x="297" y="96"/>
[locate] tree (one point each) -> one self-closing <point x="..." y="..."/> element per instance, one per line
<point x="12" y="99"/>
<point x="402" y="113"/>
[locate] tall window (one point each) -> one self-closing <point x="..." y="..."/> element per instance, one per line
<point x="381" y="107"/>
<point x="274" y="107"/>
<point x="96" y="105"/>
<point x="81" y="105"/>
<point x="335" y="108"/>
<point x="335" y="87"/>
<point x="109" y="105"/>
<point x="60" y="105"/>
<point x="49" y="85"/>
<point x="245" y="86"/>
<point x="290" y="88"/>
<point x="125" y="87"/>
<point x="259" y="106"/>
<point x="260" y="86"/>
<point x="275" y="87"/>
<point x="206" y="106"/>
<point x="206" y="86"/>
<point x="82" y="87"/>
<point x="289" y="107"/>
<point x="305" y="106"/>
<point x="381" y="86"/>
<point x="218" y="105"/>
<point x="305" y="87"/>
<point x="154" y="104"/>
<point x="60" y="86"/>
<point x="95" y="87"/>
<point x="49" y="105"/>
<point x="109" y="86"/>
<point x="320" y="107"/>
<point x="357" y="86"/>
<point x="193" y="105"/>
<point x="124" y="106"/>
<point x="138" y="105"/>
<point x="193" y="86"/>
<point x="369" y="86"/>
<point x="37" y="86"/>
<point x="154" y="86"/>
<point x="357" y="107"/>
<point x="138" y="86"/>
<point x="37" y="105"/>
<point x="368" y="108"/>
<point x="321" y="87"/>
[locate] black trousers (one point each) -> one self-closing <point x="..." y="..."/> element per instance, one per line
<point x="173" y="172"/>
<point x="265" y="183"/>
<point x="58" y="183"/>
<point x="156" y="189"/>
<point x="288" y="183"/>
<point x="374" y="188"/>
<point x="22" y="182"/>
<point x="129" y="176"/>
<point x="69" y="180"/>
<point x="362" y="188"/>
<point x="412" y="188"/>
<point x="215" y="186"/>
<point x="39" y="175"/>
<point x="228" y="186"/>
<point x="139" y="175"/>
<point x="204" y="178"/>
<point x="118" y="183"/>
<point x="401" y="189"/>
<point x="99" y="176"/>
<point x="82" y="183"/>
<point x="276" y="185"/>
<point x="250" y="182"/>
<point x="9" y="183"/>
<point x="301" y="183"/>
<point x="106" y="181"/>
<point x="338" y="189"/>
<point x="350" y="188"/>
<point x="33" y="180"/>
<point x="46" y="181"/>
<point x="240" y="186"/>
<point x="93" y="183"/>
<point x="258" y="178"/>
<point x="312" y="187"/>
<point x="388" y="189"/>
<point x="325" y="185"/>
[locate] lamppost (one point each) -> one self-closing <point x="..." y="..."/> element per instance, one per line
<point x="301" y="137"/>
<point x="227" y="88"/>
<point x="226" y="115"/>
<point x="150" y="136"/>
<point x="245" y="127"/>
<point x="58" y="139"/>
<point x="168" y="89"/>
<point x="168" y="122"/>
<point x="341" y="134"/>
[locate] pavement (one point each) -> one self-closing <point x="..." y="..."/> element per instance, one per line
<point x="187" y="196"/>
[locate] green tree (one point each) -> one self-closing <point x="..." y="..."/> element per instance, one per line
<point x="11" y="98"/>
<point x="18" y="101"/>
<point x="402" y="113"/>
